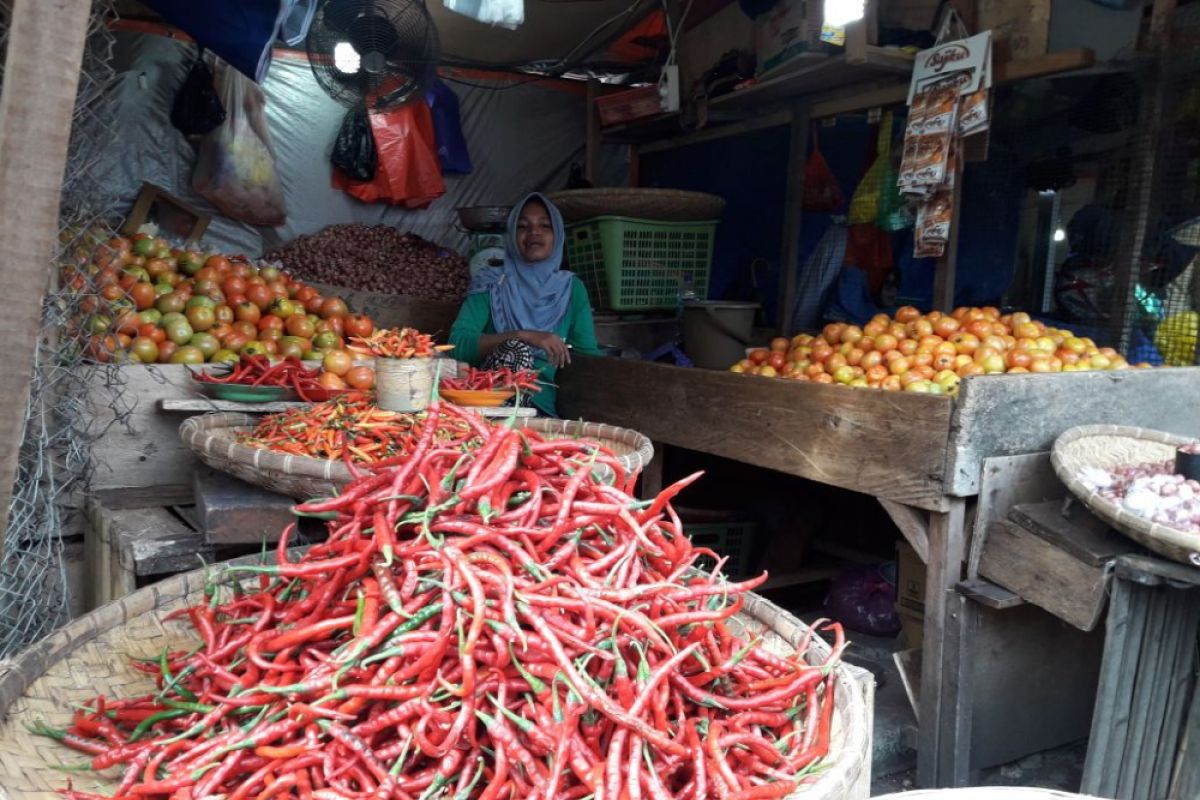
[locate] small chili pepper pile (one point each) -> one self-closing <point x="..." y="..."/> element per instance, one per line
<point x="397" y="343"/>
<point x="352" y="428"/>
<point x="253" y="370"/>
<point x="494" y="379"/>
<point x="499" y="623"/>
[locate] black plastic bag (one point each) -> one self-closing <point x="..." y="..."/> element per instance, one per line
<point x="354" y="149"/>
<point x="197" y="109"/>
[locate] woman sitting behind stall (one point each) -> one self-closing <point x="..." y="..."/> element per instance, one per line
<point x="529" y="313"/>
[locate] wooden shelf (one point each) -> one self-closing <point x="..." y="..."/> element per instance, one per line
<point x="821" y="75"/>
<point x="201" y="405"/>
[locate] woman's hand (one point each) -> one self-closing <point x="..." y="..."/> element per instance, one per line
<point x="551" y="343"/>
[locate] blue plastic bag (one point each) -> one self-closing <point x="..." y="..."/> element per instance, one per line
<point x="447" y="126"/>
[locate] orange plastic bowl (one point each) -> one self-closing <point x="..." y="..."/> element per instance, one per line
<point x="477" y="397"/>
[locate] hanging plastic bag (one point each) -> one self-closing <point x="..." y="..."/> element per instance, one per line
<point x="505" y="13"/>
<point x="893" y="213"/>
<point x="408" y="172"/>
<point x="235" y="170"/>
<point x="821" y="190"/>
<point x="447" y="126"/>
<point x="354" y="149"/>
<point x="864" y="204"/>
<point x="197" y="109"/>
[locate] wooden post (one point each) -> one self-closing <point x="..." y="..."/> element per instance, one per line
<point x="947" y="265"/>
<point x="41" y="76"/>
<point x="591" y="159"/>
<point x="940" y="674"/>
<point x="793" y="210"/>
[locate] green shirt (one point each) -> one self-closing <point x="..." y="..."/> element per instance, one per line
<point x="576" y="329"/>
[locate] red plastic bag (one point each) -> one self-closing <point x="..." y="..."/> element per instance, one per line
<point x="408" y="172"/>
<point x="821" y="190"/>
<point x="870" y="249"/>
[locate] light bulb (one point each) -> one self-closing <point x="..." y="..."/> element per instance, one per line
<point x="346" y="58"/>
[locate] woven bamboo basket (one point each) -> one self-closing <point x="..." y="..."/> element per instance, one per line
<point x="660" y="205"/>
<point x="214" y="440"/>
<point x="92" y="654"/>
<point x="987" y="793"/>
<point x="1109" y="446"/>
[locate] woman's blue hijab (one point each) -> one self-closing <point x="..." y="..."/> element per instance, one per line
<point x="528" y="295"/>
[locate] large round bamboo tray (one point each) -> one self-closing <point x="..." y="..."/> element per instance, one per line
<point x="1109" y="446"/>
<point x="661" y="205"/>
<point x="91" y="656"/>
<point x="214" y="440"/>
<point x="987" y="793"/>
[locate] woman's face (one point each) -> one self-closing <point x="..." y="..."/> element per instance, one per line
<point x="535" y="233"/>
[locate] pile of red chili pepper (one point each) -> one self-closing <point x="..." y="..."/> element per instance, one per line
<point x="397" y="343"/>
<point x="499" y="623"/>
<point x="352" y="428"/>
<point x="494" y="380"/>
<point x="252" y="370"/>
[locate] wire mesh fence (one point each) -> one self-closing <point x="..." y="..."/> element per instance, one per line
<point x="54" y="461"/>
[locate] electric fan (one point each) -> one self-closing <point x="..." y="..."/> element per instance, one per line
<point x="377" y="53"/>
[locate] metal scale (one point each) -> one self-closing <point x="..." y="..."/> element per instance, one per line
<point x="485" y="235"/>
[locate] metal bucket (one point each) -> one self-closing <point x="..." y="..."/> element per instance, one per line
<point x="715" y="333"/>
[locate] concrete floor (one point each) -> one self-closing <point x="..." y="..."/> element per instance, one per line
<point x="893" y="763"/>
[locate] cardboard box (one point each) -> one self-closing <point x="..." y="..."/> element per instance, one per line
<point x="910" y="580"/>
<point x="789" y="31"/>
<point x="912" y="626"/>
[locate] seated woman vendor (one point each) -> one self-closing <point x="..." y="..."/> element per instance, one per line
<point x="529" y="313"/>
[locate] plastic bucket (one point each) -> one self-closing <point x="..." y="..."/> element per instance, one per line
<point x="404" y="384"/>
<point x="716" y="334"/>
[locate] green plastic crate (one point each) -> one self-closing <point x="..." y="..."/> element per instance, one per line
<point x="733" y="539"/>
<point x="635" y="265"/>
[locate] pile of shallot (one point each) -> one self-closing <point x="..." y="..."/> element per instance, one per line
<point x="1152" y="491"/>
<point x="376" y="259"/>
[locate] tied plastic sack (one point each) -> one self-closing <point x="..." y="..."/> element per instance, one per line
<point x="821" y="190"/>
<point x="864" y="600"/>
<point x="354" y="149"/>
<point x="505" y="13"/>
<point x="197" y="109"/>
<point x="408" y="173"/>
<point x="235" y="170"/>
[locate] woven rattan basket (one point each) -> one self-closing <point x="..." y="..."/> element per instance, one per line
<point x="214" y="440"/>
<point x="1109" y="446"/>
<point x="660" y="205"/>
<point x="91" y="656"/>
<point x="987" y="793"/>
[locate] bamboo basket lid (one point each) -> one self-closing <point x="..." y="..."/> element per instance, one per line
<point x="659" y="205"/>
<point x="214" y="440"/>
<point x="1110" y="446"/>
<point x="91" y="655"/>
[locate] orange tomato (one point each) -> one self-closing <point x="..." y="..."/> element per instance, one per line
<point x="361" y="378"/>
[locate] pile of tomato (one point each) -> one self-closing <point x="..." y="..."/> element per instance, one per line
<point x="145" y="301"/>
<point x="928" y="353"/>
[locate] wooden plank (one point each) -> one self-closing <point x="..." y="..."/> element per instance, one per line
<point x="1006" y="481"/>
<point x="940" y="669"/>
<point x="1071" y="527"/>
<point x="136" y="446"/>
<point x="989" y="594"/>
<point x="1154" y="571"/>
<point x="1144" y="691"/>
<point x="774" y="120"/>
<point x="999" y="415"/>
<point x="152" y="541"/>
<point x="1181" y="687"/>
<point x="793" y="213"/>
<point x="1044" y="575"/>
<point x="912" y="523"/>
<point x="41" y="75"/>
<point x="1024" y="26"/>
<point x="1186" y="781"/>
<point x="825" y="433"/>
<point x="144" y="496"/>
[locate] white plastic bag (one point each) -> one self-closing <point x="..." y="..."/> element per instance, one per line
<point x="235" y="170"/>
<point x="505" y="13"/>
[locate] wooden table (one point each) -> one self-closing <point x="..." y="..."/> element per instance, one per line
<point x="923" y="457"/>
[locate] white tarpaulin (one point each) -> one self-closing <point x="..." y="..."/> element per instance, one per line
<point x="522" y="138"/>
